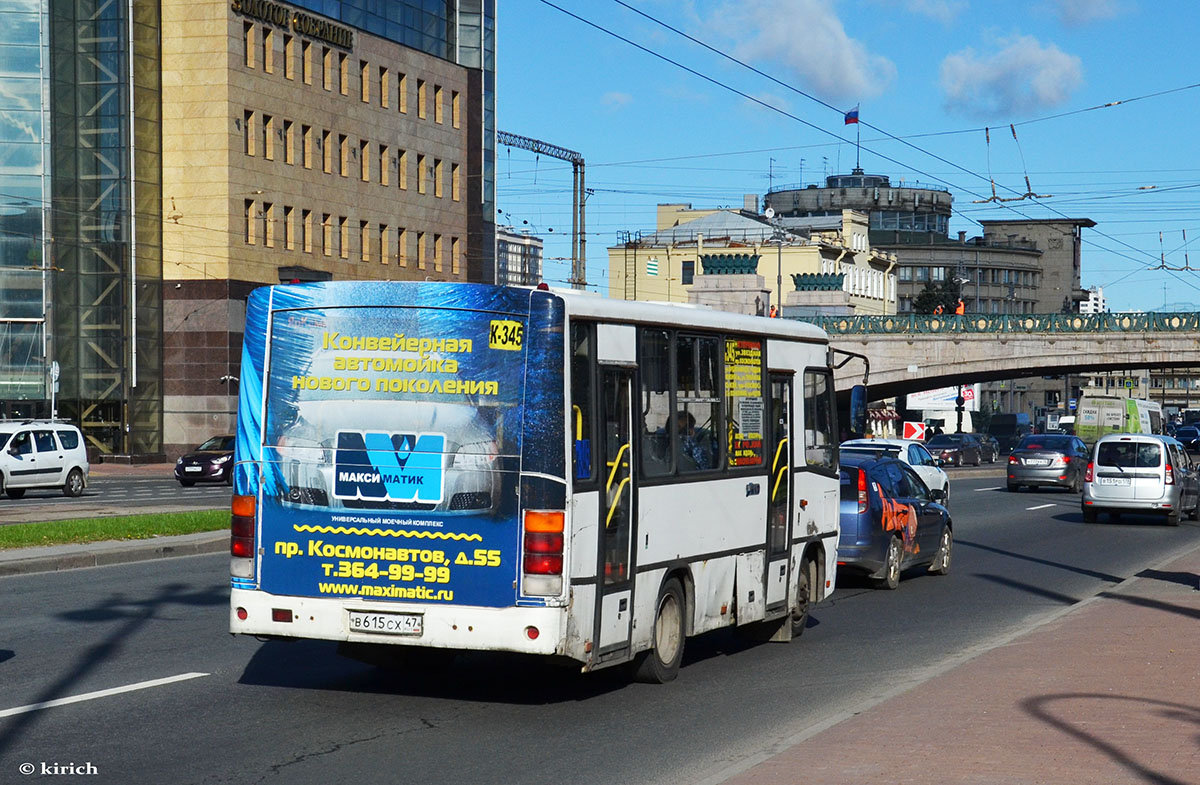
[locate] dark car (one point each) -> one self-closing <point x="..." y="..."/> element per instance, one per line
<point x="991" y="447"/>
<point x="890" y="521"/>
<point x="1052" y="459"/>
<point x="956" y="449"/>
<point x="210" y="462"/>
<point x="1189" y="437"/>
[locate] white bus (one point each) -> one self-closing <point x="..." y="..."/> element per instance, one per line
<point x="467" y="467"/>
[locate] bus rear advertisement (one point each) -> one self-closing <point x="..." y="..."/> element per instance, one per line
<point x="470" y="467"/>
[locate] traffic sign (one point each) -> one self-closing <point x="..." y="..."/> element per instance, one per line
<point x="914" y="430"/>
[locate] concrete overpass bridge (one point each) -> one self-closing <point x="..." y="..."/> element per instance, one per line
<point x="910" y="352"/>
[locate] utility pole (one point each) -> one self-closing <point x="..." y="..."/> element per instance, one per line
<point x="579" y="197"/>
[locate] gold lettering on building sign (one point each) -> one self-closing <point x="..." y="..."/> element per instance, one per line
<point x="304" y="24"/>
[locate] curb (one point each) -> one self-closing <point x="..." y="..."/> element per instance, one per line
<point x="26" y="561"/>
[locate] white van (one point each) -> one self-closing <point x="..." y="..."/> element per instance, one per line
<point x="1140" y="473"/>
<point x="40" y="454"/>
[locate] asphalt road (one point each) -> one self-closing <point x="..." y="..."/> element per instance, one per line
<point x="108" y="496"/>
<point x="296" y="713"/>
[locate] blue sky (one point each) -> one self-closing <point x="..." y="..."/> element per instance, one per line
<point x="929" y="77"/>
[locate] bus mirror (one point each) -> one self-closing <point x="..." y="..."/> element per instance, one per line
<point x="858" y="409"/>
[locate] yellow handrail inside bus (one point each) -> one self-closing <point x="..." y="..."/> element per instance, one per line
<point x="616" y="502"/>
<point x="778" y="451"/>
<point x="614" y="464"/>
<point x="578" y="420"/>
<point x="778" y="480"/>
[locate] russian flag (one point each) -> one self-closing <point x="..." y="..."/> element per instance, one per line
<point x="852" y="115"/>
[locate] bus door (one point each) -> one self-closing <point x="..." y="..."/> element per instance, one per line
<point x="617" y="486"/>
<point x="779" y="491"/>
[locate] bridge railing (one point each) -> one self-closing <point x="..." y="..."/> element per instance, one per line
<point x="1033" y="324"/>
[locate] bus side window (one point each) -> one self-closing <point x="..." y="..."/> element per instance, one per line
<point x="820" y="445"/>
<point x="655" y="369"/>
<point x="582" y="398"/>
<point x="698" y="419"/>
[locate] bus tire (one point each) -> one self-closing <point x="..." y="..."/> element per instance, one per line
<point x="661" y="663"/>
<point x="805" y="591"/>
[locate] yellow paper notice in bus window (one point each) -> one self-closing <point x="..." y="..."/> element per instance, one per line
<point x="506" y="334"/>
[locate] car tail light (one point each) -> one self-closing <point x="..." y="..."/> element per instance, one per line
<point x="1088" y="472"/>
<point x="241" y="530"/>
<point x="1061" y="460"/>
<point x="542" y="559"/>
<point x="862" y="491"/>
<point x="1012" y="460"/>
<point x="1169" y="475"/>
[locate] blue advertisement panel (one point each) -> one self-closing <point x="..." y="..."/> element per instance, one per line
<point x="390" y="445"/>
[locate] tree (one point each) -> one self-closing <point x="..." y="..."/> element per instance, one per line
<point x="945" y="294"/>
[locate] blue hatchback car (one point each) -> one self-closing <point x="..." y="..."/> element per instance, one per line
<point x="890" y="521"/>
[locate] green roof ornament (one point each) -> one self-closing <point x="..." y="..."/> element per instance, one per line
<point x="819" y="282"/>
<point x="729" y="263"/>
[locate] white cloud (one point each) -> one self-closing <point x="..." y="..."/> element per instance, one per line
<point x="804" y="42"/>
<point x="1081" y="12"/>
<point x="1021" y="78"/>
<point x="616" y="100"/>
<point x="944" y="11"/>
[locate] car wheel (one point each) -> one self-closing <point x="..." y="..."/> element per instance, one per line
<point x="958" y="461"/>
<point x="1089" y="515"/>
<point x="229" y="476"/>
<point x="187" y="483"/>
<point x="1194" y="515"/>
<point x="946" y="498"/>
<point x="661" y="663"/>
<point x="804" y="596"/>
<point x="941" y="560"/>
<point x="891" y="566"/>
<point x="73" y="487"/>
<point x="15" y="493"/>
<point x="1173" y="518"/>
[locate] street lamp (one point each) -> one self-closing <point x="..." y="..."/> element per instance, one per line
<point x="777" y="236"/>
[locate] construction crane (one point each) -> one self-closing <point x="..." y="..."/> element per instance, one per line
<point x="578" y="198"/>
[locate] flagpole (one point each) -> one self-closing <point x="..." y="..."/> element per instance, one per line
<point x="857" y="145"/>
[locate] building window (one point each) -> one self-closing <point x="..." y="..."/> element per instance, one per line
<point x="402" y="247"/>
<point x="249" y="43"/>
<point x="268" y="130"/>
<point x="455" y="256"/>
<point x="343" y="65"/>
<point x="422" y="256"/>
<point x="421" y="174"/>
<point x="437" y="178"/>
<point x="344" y="237"/>
<point x="364" y="160"/>
<point x="343" y="155"/>
<point x="364" y="81"/>
<point x="687" y="272"/>
<point x="438" y="113"/>
<point x="402" y="170"/>
<point x="326" y="234"/>
<point x="455" y="109"/>
<point x="306" y="64"/>
<point x="306" y="230"/>
<point x="385" y="87"/>
<point x="327" y="68"/>
<point x="385" y="165"/>
<point x="937" y="273"/>
<point x="327" y="151"/>
<point x="306" y="134"/>
<point x="402" y="93"/>
<point x="364" y="240"/>
<point x="248" y="134"/>
<point x="268" y="217"/>
<point x="289" y="228"/>
<point x="289" y="57"/>
<point x="437" y="253"/>
<point x="251" y="221"/>
<point x="385" y="244"/>
<point x="421" y="98"/>
<point x="289" y="142"/>
<point x="268" y="40"/>
<point x="455" y="184"/>
<point x="906" y="274"/>
<point x="922" y="273"/>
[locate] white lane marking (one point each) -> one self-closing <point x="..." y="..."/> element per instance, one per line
<point x="141" y="685"/>
<point x="997" y="488"/>
<point x="1041" y="506"/>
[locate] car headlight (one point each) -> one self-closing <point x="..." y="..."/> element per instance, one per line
<point x="477" y="455"/>
<point x="223" y="459"/>
<point x="179" y="460"/>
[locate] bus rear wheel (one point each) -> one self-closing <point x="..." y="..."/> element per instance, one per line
<point x="805" y="592"/>
<point x="661" y="663"/>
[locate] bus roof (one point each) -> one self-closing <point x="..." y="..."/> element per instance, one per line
<point x="688" y="315"/>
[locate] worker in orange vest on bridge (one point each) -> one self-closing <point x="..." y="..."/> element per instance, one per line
<point x="960" y="309"/>
<point x="937" y="310"/>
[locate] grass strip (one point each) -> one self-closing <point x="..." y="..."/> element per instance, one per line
<point x="125" y="527"/>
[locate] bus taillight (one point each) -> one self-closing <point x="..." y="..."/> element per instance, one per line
<point x="542" y="559"/>
<point x="241" y="530"/>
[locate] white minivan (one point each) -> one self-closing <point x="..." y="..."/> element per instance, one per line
<point x="40" y="454"/>
<point x="1140" y="473"/>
